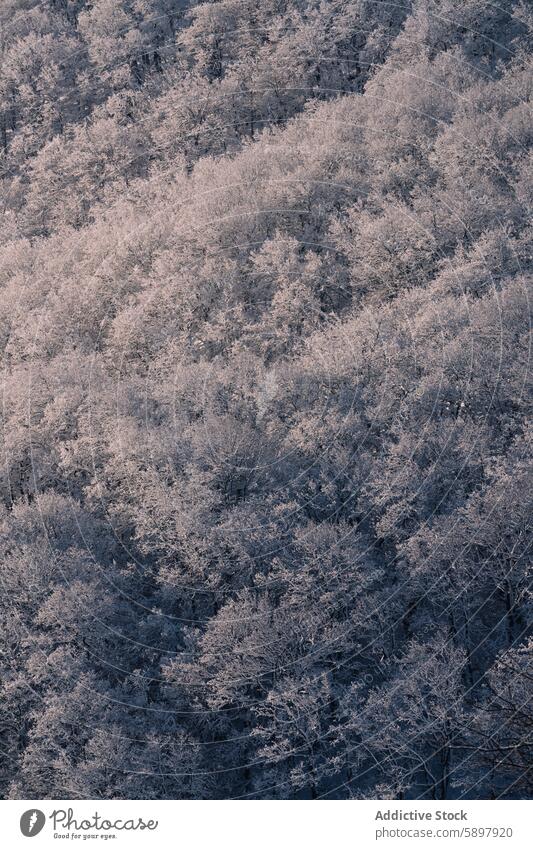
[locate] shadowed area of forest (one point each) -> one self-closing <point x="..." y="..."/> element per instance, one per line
<point x="265" y="491"/>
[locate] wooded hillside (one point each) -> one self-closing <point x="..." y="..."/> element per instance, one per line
<point x="265" y="495"/>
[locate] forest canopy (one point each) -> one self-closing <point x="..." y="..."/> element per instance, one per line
<point x="265" y="491"/>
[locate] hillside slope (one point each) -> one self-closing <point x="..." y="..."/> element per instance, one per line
<point x="265" y="280"/>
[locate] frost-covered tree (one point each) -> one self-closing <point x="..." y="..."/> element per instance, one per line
<point x="265" y="276"/>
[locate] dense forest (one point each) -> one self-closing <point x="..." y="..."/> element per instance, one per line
<point x="265" y="491"/>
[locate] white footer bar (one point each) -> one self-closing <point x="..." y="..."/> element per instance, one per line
<point x="267" y="824"/>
